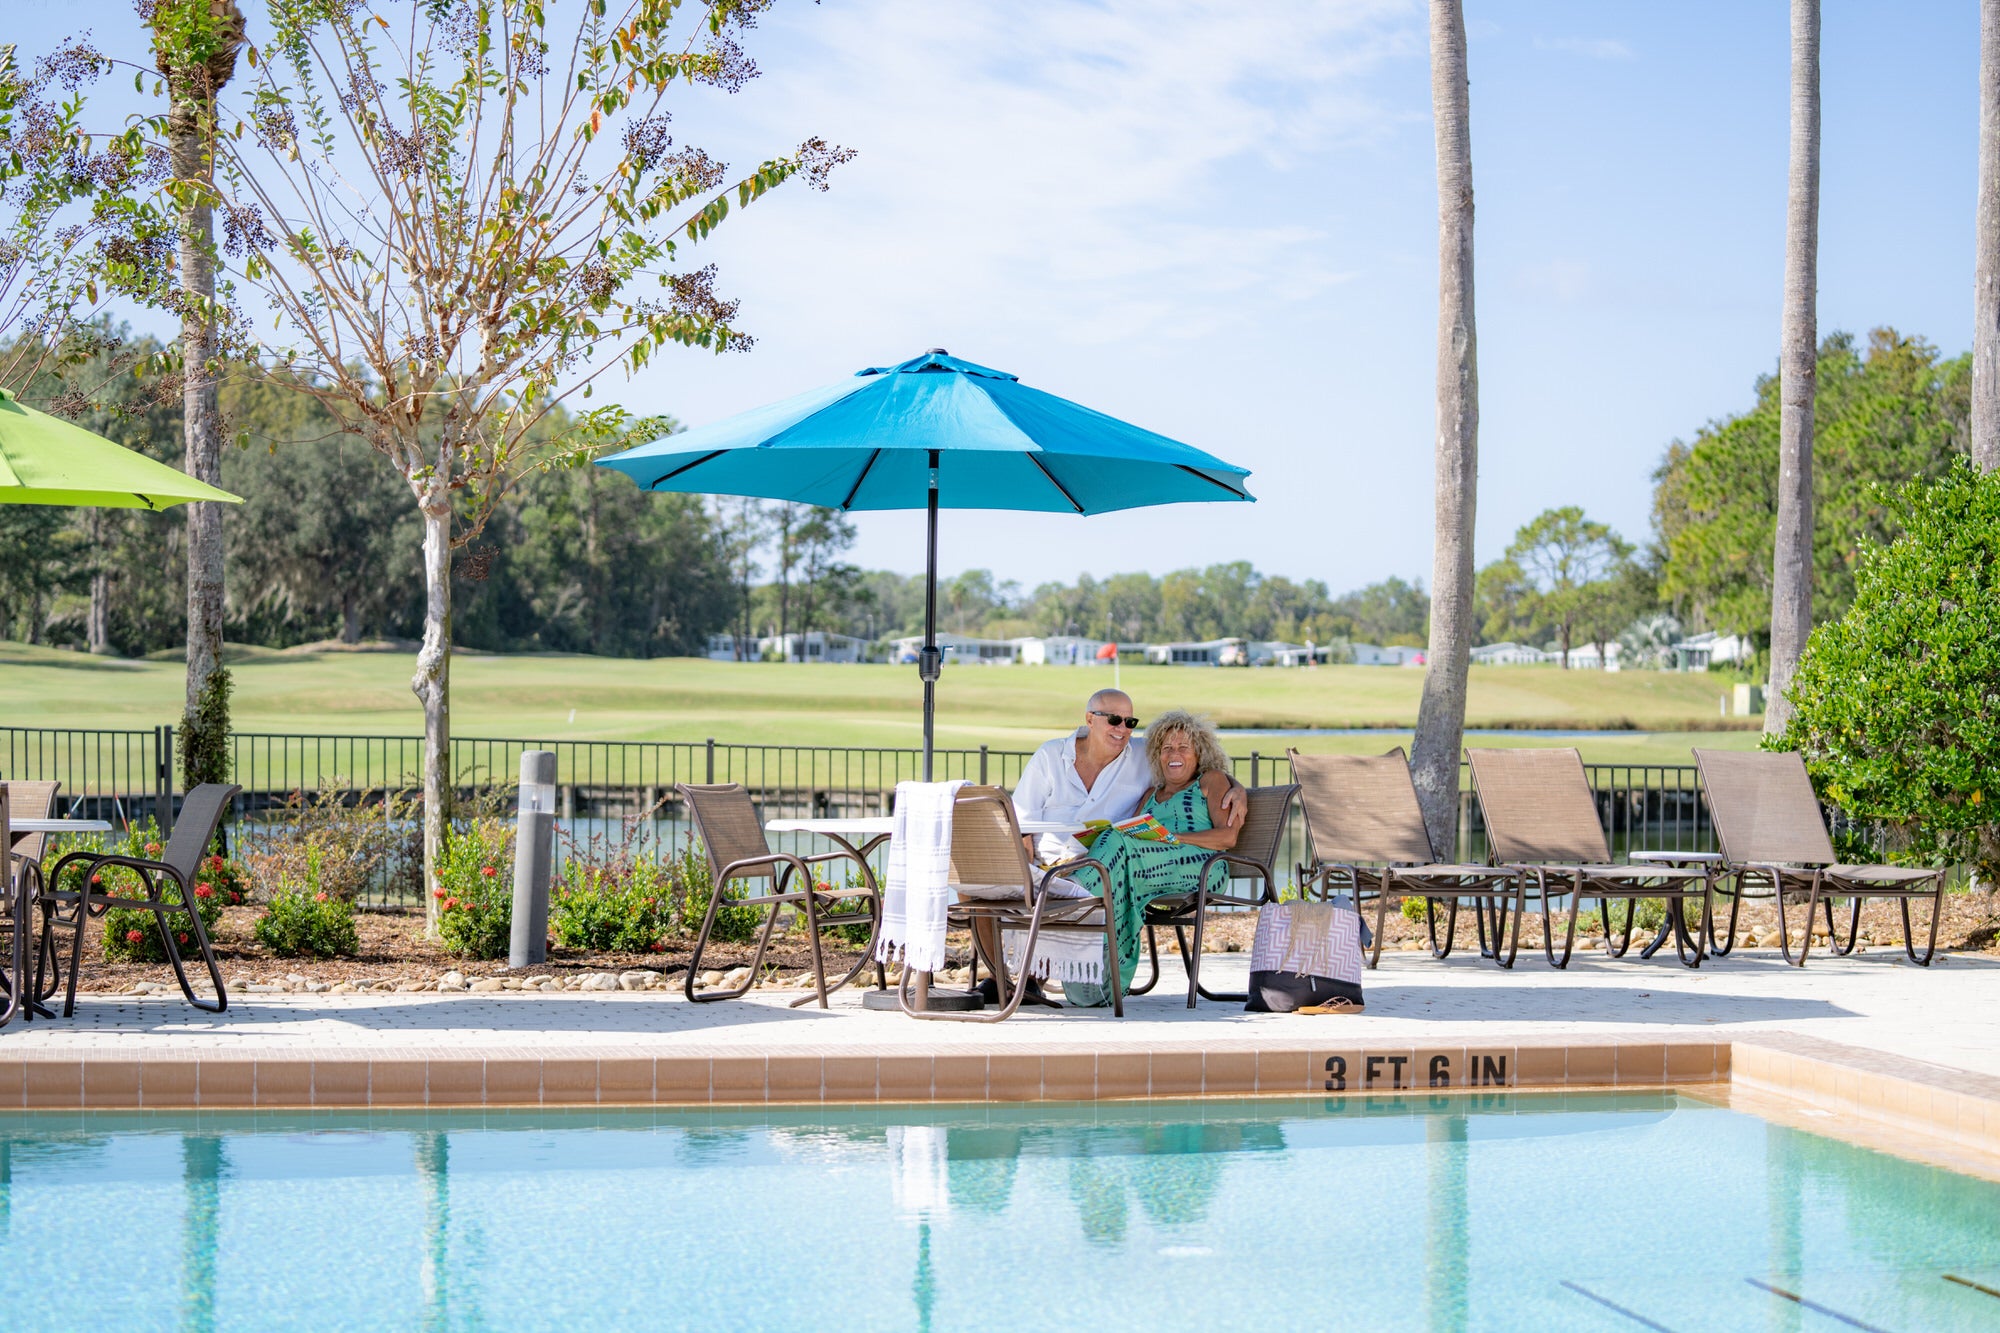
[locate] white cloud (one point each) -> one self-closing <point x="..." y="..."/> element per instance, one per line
<point x="1593" y="48"/>
<point x="1094" y="171"/>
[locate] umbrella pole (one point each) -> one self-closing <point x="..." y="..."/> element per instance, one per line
<point x="930" y="661"/>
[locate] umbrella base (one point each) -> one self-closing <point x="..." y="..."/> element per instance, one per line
<point x="940" y="1001"/>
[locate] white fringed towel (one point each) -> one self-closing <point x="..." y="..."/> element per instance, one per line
<point x="918" y="891"/>
<point x="1063" y="956"/>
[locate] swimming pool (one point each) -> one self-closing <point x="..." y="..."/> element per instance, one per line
<point x="1603" y="1211"/>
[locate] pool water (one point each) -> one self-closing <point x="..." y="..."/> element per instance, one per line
<point x="1497" y="1211"/>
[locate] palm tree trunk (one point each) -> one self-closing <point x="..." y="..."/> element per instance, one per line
<point x="1986" y="250"/>
<point x="1792" y="564"/>
<point x="1441" y="715"/>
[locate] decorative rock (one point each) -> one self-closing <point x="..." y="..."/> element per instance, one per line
<point x="264" y="988"/>
<point x="488" y="984"/>
<point x="510" y="983"/>
<point x="316" y="987"/>
<point x="711" y="978"/>
<point x="342" y="988"/>
<point x="451" y="980"/>
<point x="296" y="979"/>
<point x="411" y="985"/>
<point x="637" y="980"/>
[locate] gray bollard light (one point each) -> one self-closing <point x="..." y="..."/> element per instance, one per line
<point x="534" y="853"/>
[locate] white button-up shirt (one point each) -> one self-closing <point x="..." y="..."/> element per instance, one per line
<point x="1050" y="788"/>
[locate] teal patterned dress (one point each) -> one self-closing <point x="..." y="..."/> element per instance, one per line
<point x="1141" y="873"/>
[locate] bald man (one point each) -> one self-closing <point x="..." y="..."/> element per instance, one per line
<point x="1093" y="773"/>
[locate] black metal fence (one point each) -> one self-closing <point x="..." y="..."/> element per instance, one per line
<point x="126" y="776"/>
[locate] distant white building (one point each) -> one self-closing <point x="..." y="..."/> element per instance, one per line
<point x="1698" y="651"/>
<point x="963" y="649"/>
<point x="817" y="646"/>
<point x="1058" y="650"/>
<point x="1368" y="654"/>
<point x="1211" y="652"/>
<point x="1583" y="657"/>
<point x="731" y="648"/>
<point x="1508" y="654"/>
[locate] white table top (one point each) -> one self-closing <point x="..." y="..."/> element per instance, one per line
<point x="1699" y="858"/>
<point x="59" y="825"/>
<point x="870" y="825"/>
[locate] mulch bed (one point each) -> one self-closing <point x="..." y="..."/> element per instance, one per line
<point x="393" y="945"/>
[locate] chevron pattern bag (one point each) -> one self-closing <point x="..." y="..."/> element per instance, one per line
<point x="1306" y="959"/>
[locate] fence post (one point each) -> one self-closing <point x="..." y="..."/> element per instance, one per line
<point x="710" y="779"/>
<point x="982" y="766"/>
<point x="534" y="850"/>
<point x="163" y="781"/>
<point x="1256" y="767"/>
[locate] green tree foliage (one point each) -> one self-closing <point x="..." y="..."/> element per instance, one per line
<point x="1896" y="705"/>
<point x="1575" y="572"/>
<point x="1884" y="414"/>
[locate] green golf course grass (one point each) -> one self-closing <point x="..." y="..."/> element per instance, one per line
<point x="1656" y="715"/>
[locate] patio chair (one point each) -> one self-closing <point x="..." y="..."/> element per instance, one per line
<point x="1367" y="838"/>
<point x="998" y="885"/>
<point x="1253" y="857"/>
<point x="201" y="814"/>
<point x="24" y="800"/>
<point x="725" y="819"/>
<point x="1541" y="817"/>
<point x="1774" y="838"/>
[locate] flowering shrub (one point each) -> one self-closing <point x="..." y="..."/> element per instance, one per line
<point x="592" y="906"/>
<point x="304" y="920"/>
<point x="362" y="839"/>
<point x="475" y="875"/>
<point x="132" y="934"/>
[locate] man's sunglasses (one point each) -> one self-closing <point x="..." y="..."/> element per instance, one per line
<point x="1117" y="721"/>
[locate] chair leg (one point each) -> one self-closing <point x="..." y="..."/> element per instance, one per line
<point x="818" y="949"/>
<point x="1153" y="958"/>
<point x="1430" y="927"/>
<point x="1381" y="918"/>
<point x="1937" y="912"/>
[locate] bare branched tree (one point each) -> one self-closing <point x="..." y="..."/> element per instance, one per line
<point x="461" y="220"/>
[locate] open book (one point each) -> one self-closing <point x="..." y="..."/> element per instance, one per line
<point x="1143" y="827"/>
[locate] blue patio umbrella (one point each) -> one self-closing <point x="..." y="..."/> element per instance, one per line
<point x="933" y="433"/>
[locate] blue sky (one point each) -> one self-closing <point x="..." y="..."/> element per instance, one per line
<point x="1219" y="221"/>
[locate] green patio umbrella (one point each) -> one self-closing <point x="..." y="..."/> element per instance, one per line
<point x="45" y="460"/>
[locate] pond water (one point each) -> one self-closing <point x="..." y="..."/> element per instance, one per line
<point x="1497" y="1211"/>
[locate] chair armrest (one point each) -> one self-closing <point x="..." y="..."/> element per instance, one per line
<point x="93" y="862"/>
<point x="1061" y="868"/>
<point x="792" y="864"/>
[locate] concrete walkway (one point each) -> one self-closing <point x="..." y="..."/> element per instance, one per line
<point x="1946" y="1016"/>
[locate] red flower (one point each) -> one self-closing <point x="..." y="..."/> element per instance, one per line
<point x="235" y="897"/>
<point x="657" y="946"/>
<point x="134" y="936"/>
<point x="320" y="897"/>
<point x="437" y="893"/>
<point x="215" y="863"/>
<point x="182" y="937"/>
<point x="489" y="872"/>
<point x="152" y="849"/>
<point x="203" y="891"/>
<point x="97" y="879"/>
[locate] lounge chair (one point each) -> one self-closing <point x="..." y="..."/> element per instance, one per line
<point x="1367" y="838"/>
<point x="1253" y="857"/>
<point x="725" y="819"/>
<point x="1774" y="839"/>
<point x="1541" y="817"/>
<point x="201" y="814"/>
<point x="21" y="875"/>
<point x="997" y="884"/>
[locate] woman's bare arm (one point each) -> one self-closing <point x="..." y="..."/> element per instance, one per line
<point x="1223" y="836"/>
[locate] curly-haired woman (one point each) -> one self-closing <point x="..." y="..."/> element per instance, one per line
<point x="1190" y="775"/>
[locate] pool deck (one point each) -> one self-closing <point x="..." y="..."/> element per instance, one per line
<point x="1869" y="1039"/>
